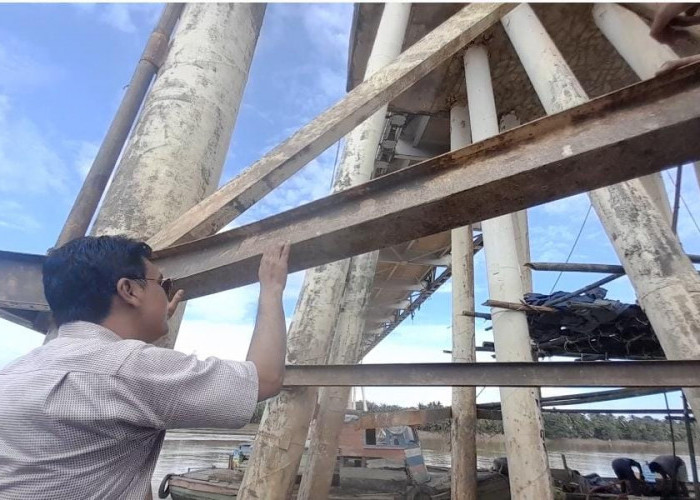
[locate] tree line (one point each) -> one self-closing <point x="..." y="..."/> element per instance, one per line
<point x="558" y="425"/>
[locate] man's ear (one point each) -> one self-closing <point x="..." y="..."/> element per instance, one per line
<point x="129" y="291"/>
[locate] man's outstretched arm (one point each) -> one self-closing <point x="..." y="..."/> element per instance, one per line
<point x="268" y="347"/>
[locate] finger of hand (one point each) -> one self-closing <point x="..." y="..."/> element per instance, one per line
<point x="286" y="246"/>
<point x="668" y="66"/>
<point x="177" y="298"/>
<point x="663" y="17"/>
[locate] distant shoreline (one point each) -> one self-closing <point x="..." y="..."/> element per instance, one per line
<point x="440" y="440"/>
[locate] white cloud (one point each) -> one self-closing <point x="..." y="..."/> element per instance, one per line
<point x="28" y="163"/>
<point x="22" y="67"/>
<point x="567" y="206"/>
<point x="210" y="338"/>
<point x="231" y="306"/>
<point x="124" y="17"/>
<point x="85" y="152"/>
<point x="16" y="341"/>
<point x="328" y="26"/>
<point x="15" y="216"/>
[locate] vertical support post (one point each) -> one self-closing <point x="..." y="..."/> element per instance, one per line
<point x="528" y="465"/>
<point x="176" y="152"/>
<point x="691" y="447"/>
<point x="282" y="434"/>
<point x="463" y="425"/>
<point x="345" y="349"/>
<point x="666" y="284"/>
<point x="522" y="233"/>
<point x="626" y="31"/>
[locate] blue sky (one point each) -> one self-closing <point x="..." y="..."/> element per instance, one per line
<point x="63" y="69"/>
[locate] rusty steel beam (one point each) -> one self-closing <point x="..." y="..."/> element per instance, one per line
<point x="521" y="374"/>
<point x="572" y="267"/>
<point x="20" y="282"/>
<point x="633" y="132"/>
<point x="278" y="165"/>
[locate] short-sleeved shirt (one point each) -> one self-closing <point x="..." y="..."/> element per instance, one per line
<point x="84" y="416"/>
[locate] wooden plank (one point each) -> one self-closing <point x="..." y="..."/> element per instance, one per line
<point x="630" y="133"/>
<point x="327" y="128"/>
<point x="520" y="374"/>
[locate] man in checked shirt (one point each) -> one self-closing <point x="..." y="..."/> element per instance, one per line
<point x="84" y="416"/>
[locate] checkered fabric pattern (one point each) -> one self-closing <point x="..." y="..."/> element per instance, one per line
<point x="84" y="416"/>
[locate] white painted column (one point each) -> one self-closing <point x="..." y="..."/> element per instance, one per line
<point x="519" y="24"/>
<point x="666" y="284"/>
<point x="528" y="467"/>
<point x="177" y="149"/>
<point x="463" y="425"/>
<point x="282" y="434"/>
<point x="630" y="36"/>
<point x="176" y="152"/>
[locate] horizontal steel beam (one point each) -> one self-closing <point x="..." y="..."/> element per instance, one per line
<point x="559" y="374"/>
<point x="567" y="267"/>
<point x="21" y="286"/>
<point x="633" y="132"/>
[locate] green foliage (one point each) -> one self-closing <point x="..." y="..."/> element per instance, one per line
<point x="570" y="425"/>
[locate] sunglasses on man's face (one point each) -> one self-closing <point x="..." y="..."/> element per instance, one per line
<point x="166" y="284"/>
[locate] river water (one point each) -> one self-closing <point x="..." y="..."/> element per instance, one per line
<point x="196" y="449"/>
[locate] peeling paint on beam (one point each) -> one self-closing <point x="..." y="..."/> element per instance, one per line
<point x="513" y="374"/>
<point x="602" y="142"/>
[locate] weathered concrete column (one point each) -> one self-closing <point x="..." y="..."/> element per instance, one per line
<point x="566" y="92"/>
<point x="528" y="467"/>
<point x="463" y="425"/>
<point x="176" y="152"/>
<point x="345" y="349"/>
<point x="667" y="286"/>
<point x="630" y="36"/>
<point x="282" y="433"/>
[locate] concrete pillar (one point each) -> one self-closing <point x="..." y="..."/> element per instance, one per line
<point x="629" y="34"/>
<point x="528" y="467"/>
<point x="345" y="349"/>
<point x="282" y="434"/>
<point x="522" y="233"/>
<point x="463" y="428"/>
<point x="553" y="92"/>
<point x="667" y="286"/>
<point x="176" y="152"/>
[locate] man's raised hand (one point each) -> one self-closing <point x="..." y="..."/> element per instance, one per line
<point x="273" y="268"/>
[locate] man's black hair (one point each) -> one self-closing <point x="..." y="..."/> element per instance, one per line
<point x="80" y="278"/>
